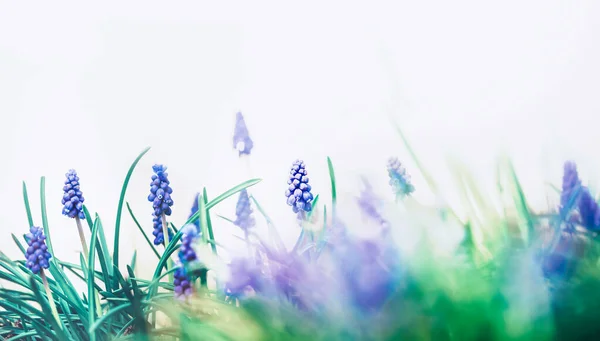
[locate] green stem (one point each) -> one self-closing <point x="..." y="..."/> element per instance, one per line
<point x="50" y="298"/>
<point x="86" y="253"/>
<point x="167" y="241"/>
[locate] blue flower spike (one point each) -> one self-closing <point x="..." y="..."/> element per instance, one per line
<point x="160" y="197"/>
<point x="37" y="254"/>
<point x="589" y="211"/>
<point x="243" y="212"/>
<point x="399" y="178"/>
<point x="189" y="236"/>
<point x="570" y="184"/>
<point x="182" y="284"/>
<point x="241" y="138"/>
<point x="72" y="197"/>
<point x="298" y="193"/>
<point x="195" y="210"/>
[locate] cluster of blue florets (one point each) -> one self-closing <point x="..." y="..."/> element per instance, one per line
<point x="298" y="193"/>
<point x="160" y="191"/>
<point x="189" y="233"/>
<point x="194" y="210"/>
<point x="181" y="283"/>
<point x="37" y="254"/>
<point x="159" y="236"/>
<point x="399" y="179"/>
<point x="241" y="139"/>
<point x="72" y="197"/>
<point x="243" y="212"/>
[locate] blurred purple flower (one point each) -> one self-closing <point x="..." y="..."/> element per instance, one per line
<point x="186" y="250"/>
<point x="243" y="275"/>
<point x="399" y="179"/>
<point x="243" y="212"/>
<point x="589" y="210"/>
<point x="181" y="283"/>
<point x="195" y="210"/>
<point x="570" y="185"/>
<point x="37" y="254"/>
<point x="241" y="138"/>
<point x="72" y="197"/>
<point x="298" y="192"/>
<point x="370" y="204"/>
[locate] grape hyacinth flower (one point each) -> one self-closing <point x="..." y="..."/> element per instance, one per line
<point x="589" y="210"/>
<point x="73" y="205"/>
<point x="399" y="179"/>
<point x="160" y="196"/>
<point x="195" y="210"/>
<point x="188" y="238"/>
<point x="37" y="254"/>
<point x="570" y="185"/>
<point x="370" y="204"/>
<point x="181" y="283"/>
<point x="72" y="197"/>
<point x="243" y="212"/>
<point x="298" y="193"/>
<point x="158" y="232"/>
<point x="241" y="139"/>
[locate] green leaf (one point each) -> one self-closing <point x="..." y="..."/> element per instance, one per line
<point x="226" y="219"/>
<point x="90" y="276"/>
<point x="333" y="187"/>
<point x="108" y="315"/>
<point x="103" y="253"/>
<point x="27" y="207"/>
<point x="133" y="259"/>
<point x="142" y="231"/>
<point x="120" y="210"/>
<point x="208" y="222"/>
<point x="49" y="317"/>
<point x="16" y="240"/>
<point x="222" y="197"/>
<point x="273" y="233"/>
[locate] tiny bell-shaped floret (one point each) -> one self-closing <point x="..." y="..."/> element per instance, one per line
<point x="181" y="283"/>
<point x="160" y="191"/>
<point x="399" y="179"/>
<point x="159" y="237"/>
<point x="188" y="239"/>
<point x="37" y="255"/>
<point x="241" y="139"/>
<point x="243" y="212"/>
<point x="298" y="193"/>
<point x="72" y="197"/>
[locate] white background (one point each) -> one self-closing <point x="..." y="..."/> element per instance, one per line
<point x="88" y="87"/>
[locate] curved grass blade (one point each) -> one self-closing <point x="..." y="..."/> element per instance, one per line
<point x="27" y="207"/>
<point x="103" y="256"/>
<point x="49" y="317"/>
<point x="120" y="211"/>
<point x="333" y="187"/>
<point x="90" y="276"/>
<point x="142" y="230"/>
<point x="211" y="235"/>
<point x="19" y="245"/>
<point x="108" y="315"/>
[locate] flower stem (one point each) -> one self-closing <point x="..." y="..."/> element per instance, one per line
<point x="167" y="241"/>
<point x="82" y="239"/>
<point x="50" y="298"/>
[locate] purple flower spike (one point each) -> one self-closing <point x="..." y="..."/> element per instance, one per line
<point x="195" y="210"/>
<point x="188" y="238"/>
<point x="72" y="197"/>
<point x="589" y="210"/>
<point x="159" y="237"/>
<point x="370" y="204"/>
<point x="570" y="184"/>
<point x="243" y="274"/>
<point x="243" y="212"/>
<point x="241" y="139"/>
<point x="37" y="254"/>
<point x="298" y="193"/>
<point x="399" y="179"/>
<point x="182" y="284"/>
<point x="160" y="191"/>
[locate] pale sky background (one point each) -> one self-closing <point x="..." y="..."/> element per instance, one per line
<point x="89" y="86"/>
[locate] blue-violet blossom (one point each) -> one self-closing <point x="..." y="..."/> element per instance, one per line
<point x="589" y="210"/>
<point x="399" y="179"/>
<point x="37" y="254"/>
<point x="189" y="234"/>
<point x="72" y="197"/>
<point x="241" y="139"/>
<point x="181" y="283"/>
<point x="298" y="193"/>
<point x="243" y="212"/>
<point x="158" y="233"/>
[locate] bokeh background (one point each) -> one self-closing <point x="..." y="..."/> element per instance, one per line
<point x="88" y="86"/>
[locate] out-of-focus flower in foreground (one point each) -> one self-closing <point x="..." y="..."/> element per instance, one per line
<point x="181" y="283"/>
<point x="243" y="212"/>
<point x="570" y="184"/>
<point x="188" y="238"/>
<point x="589" y="210"/>
<point x="399" y="178"/>
<point x="241" y="138"/>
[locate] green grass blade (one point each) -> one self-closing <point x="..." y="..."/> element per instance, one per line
<point x="90" y="276"/>
<point x="49" y="317"/>
<point x="133" y="259"/>
<point x="223" y="196"/>
<point x="103" y="256"/>
<point x="27" y="207"/>
<point x="19" y="245"/>
<point x="142" y="231"/>
<point x="226" y="219"/>
<point x="108" y="315"/>
<point x="333" y="187"/>
<point x="273" y="233"/>
<point x="120" y="211"/>
<point x="209" y="223"/>
<point x="526" y="225"/>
